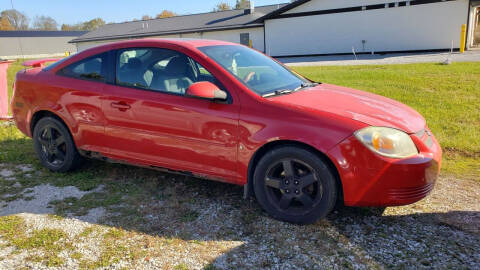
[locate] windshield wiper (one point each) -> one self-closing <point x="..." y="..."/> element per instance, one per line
<point x="278" y="92"/>
<point x="306" y="85"/>
<point x="288" y="91"/>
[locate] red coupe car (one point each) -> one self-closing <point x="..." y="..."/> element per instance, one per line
<point x="225" y="112"/>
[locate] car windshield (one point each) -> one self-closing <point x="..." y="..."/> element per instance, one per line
<point x="257" y="71"/>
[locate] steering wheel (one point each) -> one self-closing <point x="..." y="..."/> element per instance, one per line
<point x="249" y="77"/>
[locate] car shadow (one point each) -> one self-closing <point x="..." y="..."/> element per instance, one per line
<point x="191" y="210"/>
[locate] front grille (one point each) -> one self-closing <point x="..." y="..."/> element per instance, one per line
<point x="410" y="193"/>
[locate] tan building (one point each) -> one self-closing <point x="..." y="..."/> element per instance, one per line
<point x="35" y="44"/>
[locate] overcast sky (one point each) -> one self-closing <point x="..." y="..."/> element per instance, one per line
<point x="70" y="12"/>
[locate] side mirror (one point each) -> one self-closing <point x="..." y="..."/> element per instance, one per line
<point x="206" y="90"/>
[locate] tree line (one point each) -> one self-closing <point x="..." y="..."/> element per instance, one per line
<point x="14" y="20"/>
<point x="223" y="6"/>
<point x="11" y="19"/>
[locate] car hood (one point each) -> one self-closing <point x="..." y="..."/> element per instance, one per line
<point x="362" y="106"/>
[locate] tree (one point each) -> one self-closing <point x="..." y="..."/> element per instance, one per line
<point x="5" y="25"/>
<point x="241" y="4"/>
<point x="146" y="17"/>
<point x="222" y="6"/>
<point x="166" y="14"/>
<point x="93" y="24"/>
<point x="17" y="19"/>
<point x="85" y="26"/>
<point x="45" y="23"/>
<point x="72" y="27"/>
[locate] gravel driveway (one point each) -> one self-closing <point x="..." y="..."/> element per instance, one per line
<point x="163" y="221"/>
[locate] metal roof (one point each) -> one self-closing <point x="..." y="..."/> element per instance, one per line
<point x="281" y="10"/>
<point x="42" y="33"/>
<point x="203" y="22"/>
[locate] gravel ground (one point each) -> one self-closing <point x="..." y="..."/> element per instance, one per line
<point x="42" y="195"/>
<point x="188" y="223"/>
<point x="382" y="59"/>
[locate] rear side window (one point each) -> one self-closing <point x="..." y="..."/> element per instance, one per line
<point x="92" y="68"/>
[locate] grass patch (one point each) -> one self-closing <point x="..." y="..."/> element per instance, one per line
<point x="50" y="242"/>
<point x="15" y="148"/>
<point x="116" y="246"/>
<point x="447" y="96"/>
<point x="189" y="215"/>
<point x="87" y="232"/>
<point x="11" y="72"/>
<point x="80" y="207"/>
<point x="181" y="266"/>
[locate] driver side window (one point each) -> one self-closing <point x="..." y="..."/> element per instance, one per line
<point x="158" y="70"/>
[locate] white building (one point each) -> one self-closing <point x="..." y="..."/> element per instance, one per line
<point x="317" y="27"/>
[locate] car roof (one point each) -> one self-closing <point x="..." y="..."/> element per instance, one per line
<point x="145" y="42"/>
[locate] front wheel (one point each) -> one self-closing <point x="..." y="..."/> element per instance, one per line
<point x="294" y="185"/>
<point x="54" y="145"/>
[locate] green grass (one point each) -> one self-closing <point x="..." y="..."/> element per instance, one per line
<point x="89" y="201"/>
<point x="448" y="96"/>
<point x="12" y="70"/>
<point x="49" y="241"/>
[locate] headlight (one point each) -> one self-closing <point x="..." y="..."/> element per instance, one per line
<point x="387" y="142"/>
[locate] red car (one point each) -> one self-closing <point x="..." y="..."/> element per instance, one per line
<point x="225" y="112"/>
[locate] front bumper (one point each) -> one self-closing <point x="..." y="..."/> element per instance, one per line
<point x="369" y="179"/>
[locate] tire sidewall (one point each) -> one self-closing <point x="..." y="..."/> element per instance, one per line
<point x="71" y="150"/>
<point x="324" y="174"/>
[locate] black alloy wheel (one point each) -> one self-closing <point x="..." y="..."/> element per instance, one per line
<point x="295" y="185"/>
<point x="54" y="145"/>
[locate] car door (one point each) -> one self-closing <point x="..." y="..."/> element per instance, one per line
<point x="81" y="86"/>
<point x="150" y="121"/>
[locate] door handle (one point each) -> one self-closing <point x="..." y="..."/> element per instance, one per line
<point x="122" y="106"/>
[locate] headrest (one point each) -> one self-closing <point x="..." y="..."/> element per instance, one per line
<point x="134" y="63"/>
<point x="177" y="66"/>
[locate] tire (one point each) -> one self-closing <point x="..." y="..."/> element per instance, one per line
<point x="303" y="193"/>
<point x="54" y="146"/>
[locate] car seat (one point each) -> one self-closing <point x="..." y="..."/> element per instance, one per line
<point x="175" y="77"/>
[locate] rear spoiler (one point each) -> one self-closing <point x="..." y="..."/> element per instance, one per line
<point x="39" y="62"/>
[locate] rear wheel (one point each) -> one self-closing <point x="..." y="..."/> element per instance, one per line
<point x="294" y="185"/>
<point x="54" y="145"/>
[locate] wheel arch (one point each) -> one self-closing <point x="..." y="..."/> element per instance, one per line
<point x="248" y="188"/>
<point x="46" y="113"/>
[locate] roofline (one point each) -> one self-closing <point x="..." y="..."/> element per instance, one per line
<point x="194" y="14"/>
<point x="186" y="31"/>
<point x="36" y="33"/>
<point x="281" y="10"/>
<point x="250" y="24"/>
